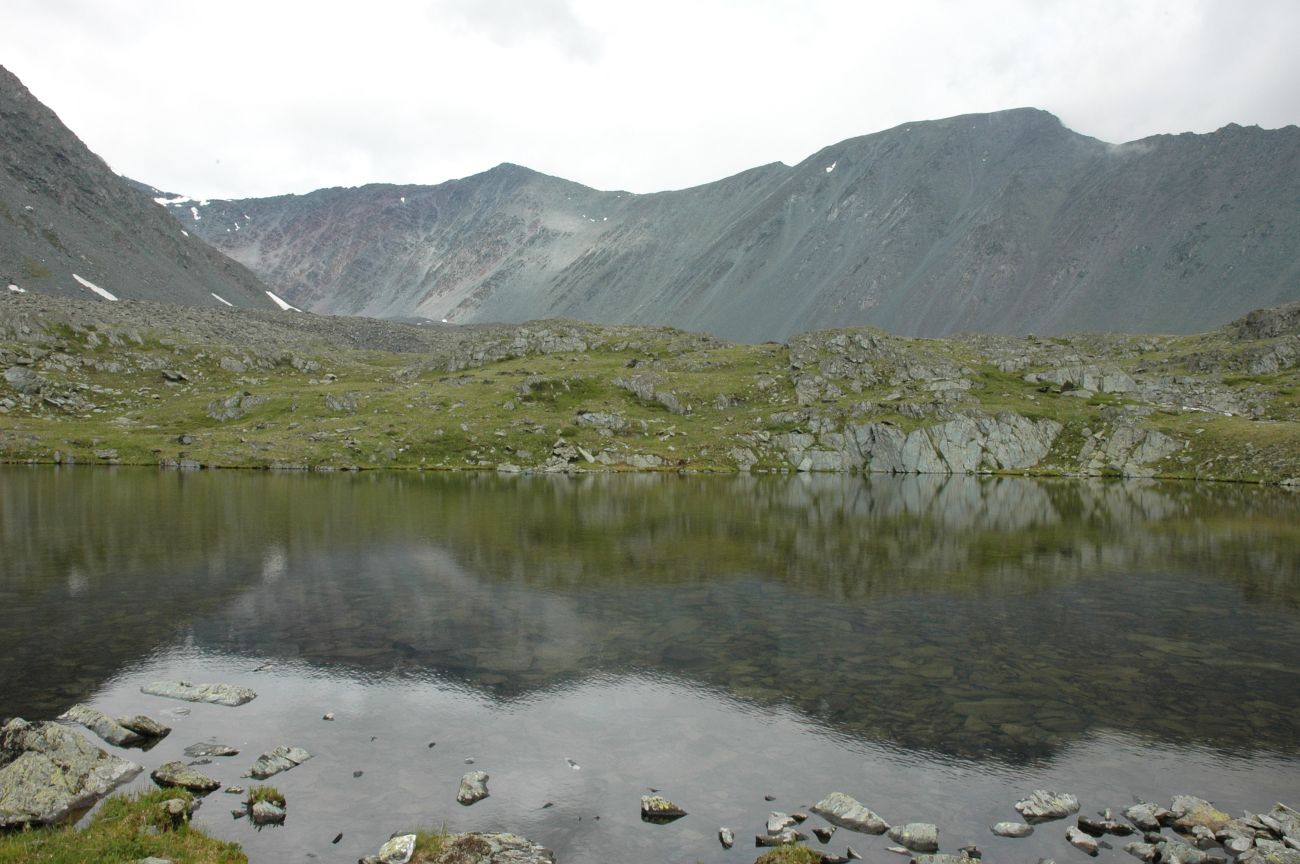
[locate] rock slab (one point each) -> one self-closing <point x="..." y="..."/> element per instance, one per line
<point x="218" y="694"/>
<point x="179" y="774"/>
<point x="843" y="810"/>
<point x="101" y="724"/>
<point x="280" y="759"/>
<point x="48" y="772"/>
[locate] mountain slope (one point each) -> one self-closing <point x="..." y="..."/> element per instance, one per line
<point x="64" y="212"/>
<point x="1002" y="222"/>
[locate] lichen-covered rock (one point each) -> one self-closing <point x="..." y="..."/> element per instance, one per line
<point x="173" y="774"/>
<point x="218" y="694"/>
<point x="1189" y="811"/>
<point x="843" y="810"/>
<point x="1013" y="829"/>
<point x="916" y="836"/>
<point x="101" y="724"/>
<point x="48" y="772"/>
<point x="473" y="787"/>
<point x="280" y="759"/>
<point x="1042" y="805"/>
<point x="1147" y="817"/>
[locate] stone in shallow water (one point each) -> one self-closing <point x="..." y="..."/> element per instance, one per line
<point x="280" y="759"/>
<point x="146" y="727"/>
<point x="940" y="858"/>
<point x="179" y="774"/>
<point x="726" y="837"/>
<point x="656" y="808"/>
<point x="1143" y="851"/>
<point x="843" y="810"/>
<point x="1189" y="811"/>
<point x="778" y="822"/>
<point x="1081" y="841"/>
<point x="916" y="836"/>
<point x="101" y="724"/>
<point x="1013" y="829"/>
<point x="203" y="750"/>
<point x="51" y="772"/>
<point x="1177" y="852"/>
<point x="786" y="837"/>
<point x="1042" y="805"/>
<point x="473" y="788"/>
<point x="1147" y="817"/>
<point x="266" y="813"/>
<point x="465" y="848"/>
<point x="218" y="694"/>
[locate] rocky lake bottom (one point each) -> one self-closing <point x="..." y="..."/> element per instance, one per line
<point x="936" y="647"/>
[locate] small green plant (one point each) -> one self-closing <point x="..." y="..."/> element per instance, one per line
<point x="269" y="794"/>
<point x="429" y="845"/>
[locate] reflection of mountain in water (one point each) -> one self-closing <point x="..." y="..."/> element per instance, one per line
<point x="962" y="615"/>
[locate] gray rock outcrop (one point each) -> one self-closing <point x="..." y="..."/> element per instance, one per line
<point x="472" y="848"/>
<point x="843" y="810"/>
<point x="48" y="772"/>
<point x="217" y="694"/>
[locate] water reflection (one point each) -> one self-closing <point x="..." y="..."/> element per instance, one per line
<point x="999" y="619"/>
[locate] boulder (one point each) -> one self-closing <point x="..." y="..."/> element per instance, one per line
<point x="1177" y="852"/>
<point x="785" y="837"/>
<point x="48" y="772"/>
<point x="280" y="759"/>
<point x="1147" y="817"/>
<point x="726" y="837"/>
<point x="1081" y="841"/>
<point x="1189" y="811"/>
<point x="1043" y="806"/>
<point x="266" y="813"/>
<point x="23" y="380"/>
<point x="778" y="822"/>
<point x="842" y="810"/>
<point x="173" y="774"/>
<point x="398" y="850"/>
<point x="1013" y="829"/>
<point x="146" y="727"/>
<point x="217" y="694"/>
<point x="473" y="788"/>
<point x="102" y="725"/>
<point x="916" y="836"/>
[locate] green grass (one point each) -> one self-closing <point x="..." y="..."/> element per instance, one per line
<point x="126" y="828"/>
<point x="269" y="794"/>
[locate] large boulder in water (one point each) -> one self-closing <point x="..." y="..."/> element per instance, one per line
<point x="843" y="810"/>
<point x="48" y="772"/>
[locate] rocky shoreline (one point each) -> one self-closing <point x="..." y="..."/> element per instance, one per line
<point x="50" y="774"/>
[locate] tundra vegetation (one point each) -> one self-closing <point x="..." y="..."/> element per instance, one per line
<point x="137" y="383"/>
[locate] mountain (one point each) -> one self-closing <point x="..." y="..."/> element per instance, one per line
<point x="70" y="226"/>
<point x="1003" y="222"/>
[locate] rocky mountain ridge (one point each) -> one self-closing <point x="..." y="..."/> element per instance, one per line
<point x="1006" y="222"/>
<point x="72" y="227"/>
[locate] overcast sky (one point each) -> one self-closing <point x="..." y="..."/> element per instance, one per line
<point x="260" y="97"/>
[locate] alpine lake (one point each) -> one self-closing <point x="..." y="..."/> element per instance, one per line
<point x="936" y="647"/>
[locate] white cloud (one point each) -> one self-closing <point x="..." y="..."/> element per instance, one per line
<point x="253" y="98"/>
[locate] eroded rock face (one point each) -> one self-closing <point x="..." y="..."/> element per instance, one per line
<point x="843" y="810"/>
<point x="48" y="772"/>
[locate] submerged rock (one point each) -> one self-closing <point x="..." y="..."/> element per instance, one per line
<point x="280" y="759"/>
<point x="204" y="750"/>
<point x="171" y="774"/>
<point x="843" y="810"/>
<point x="473" y="787"/>
<point x="48" y="772"/>
<point x="102" y="725"/>
<point x="1043" y="806"/>
<point x="217" y="694"/>
<point x="656" y="808"/>
<point x="1013" y="829"/>
<point x="917" y="836"/>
